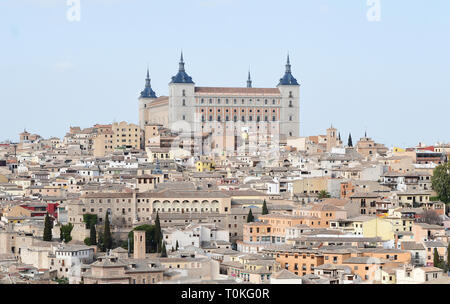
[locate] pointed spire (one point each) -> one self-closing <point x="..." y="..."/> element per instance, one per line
<point x="148" y="92"/>
<point x="147" y="80"/>
<point x="181" y="76"/>
<point x="181" y="65"/>
<point x="249" y="80"/>
<point x="288" y="65"/>
<point x="365" y="134"/>
<point x="288" y="79"/>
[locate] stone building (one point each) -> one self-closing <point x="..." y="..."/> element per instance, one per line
<point x="226" y="112"/>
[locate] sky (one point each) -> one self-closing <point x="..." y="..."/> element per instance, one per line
<point x="390" y="77"/>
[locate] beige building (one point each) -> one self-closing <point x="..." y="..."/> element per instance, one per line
<point x="312" y="185"/>
<point x="369" y="148"/>
<point x="127" y="208"/>
<point x="225" y="112"/>
<point x="126" y="135"/>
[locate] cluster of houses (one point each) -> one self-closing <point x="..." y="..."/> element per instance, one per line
<point x="320" y="212"/>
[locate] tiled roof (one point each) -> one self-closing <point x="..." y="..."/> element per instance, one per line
<point x="231" y="91"/>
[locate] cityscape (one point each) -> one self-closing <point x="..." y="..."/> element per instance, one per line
<point x="221" y="185"/>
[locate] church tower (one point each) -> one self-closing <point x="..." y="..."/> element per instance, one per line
<point x="332" y="139"/>
<point x="290" y="100"/>
<point x="146" y="97"/>
<point x="139" y="244"/>
<point x="181" y="100"/>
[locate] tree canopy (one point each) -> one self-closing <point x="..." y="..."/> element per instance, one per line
<point x="440" y="182"/>
<point x="65" y="231"/>
<point x="150" y="238"/>
<point x="323" y="194"/>
<point x="48" y="225"/>
<point x="250" y="217"/>
<point x="264" y="208"/>
<point x="107" y="237"/>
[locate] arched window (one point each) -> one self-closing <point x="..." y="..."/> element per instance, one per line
<point x="184" y="92"/>
<point x="184" y="102"/>
<point x="290" y="104"/>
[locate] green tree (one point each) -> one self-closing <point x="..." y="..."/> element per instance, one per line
<point x="65" y="231"/>
<point x="448" y="257"/>
<point x="250" y="217"/>
<point x="100" y="242"/>
<point x="150" y="241"/>
<point x="89" y="219"/>
<point x="163" y="250"/>
<point x="93" y="235"/>
<point x="48" y="225"/>
<point x="158" y="233"/>
<point x="440" y="182"/>
<point x="323" y="194"/>
<point x="264" y="208"/>
<point x="437" y="259"/>
<point x="87" y="241"/>
<point x="350" y="141"/>
<point x="107" y="238"/>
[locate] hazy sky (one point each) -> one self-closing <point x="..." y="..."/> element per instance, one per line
<point x="391" y="78"/>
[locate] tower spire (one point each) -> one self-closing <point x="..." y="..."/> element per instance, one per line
<point x="288" y="79"/>
<point x="148" y="92"/>
<point x="181" y="65"/>
<point x="249" y="80"/>
<point x="288" y="64"/>
<point x="181" y="76"/>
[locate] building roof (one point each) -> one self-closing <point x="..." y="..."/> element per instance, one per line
<point x="240" y="91"/>
<point x="181" y="76"/>
<point x="288" y="79"/>
<point x="148" y="92"/>
<point x="284" y="274"/>
<point x="412" y="246"/>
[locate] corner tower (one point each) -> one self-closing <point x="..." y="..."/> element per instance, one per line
<point x="290" y="103"/>
<point x="181" y="99"/>
<point x="145" y="98"/>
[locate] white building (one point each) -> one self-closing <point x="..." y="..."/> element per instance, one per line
<point x="194" y="235"/>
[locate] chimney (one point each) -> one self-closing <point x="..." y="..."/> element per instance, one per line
<point x="139" y="244"/>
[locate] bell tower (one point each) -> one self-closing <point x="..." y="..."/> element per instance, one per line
<point x="139" y="244"/>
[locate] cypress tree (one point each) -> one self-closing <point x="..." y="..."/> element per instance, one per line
<point x="250" y="217"/>
<point x="350" y="142"/>
<point x="163" y="250"/>
<point x="158" y="233"/>
<point x="107" y="239"/>
<point x="176" y="246"/>
<point x="264" y="208"/>
<point x="448" y="257"/>
<point x="47" y="229"/>
<point x="436" y="259"/>
<point x="93" y="235"/>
